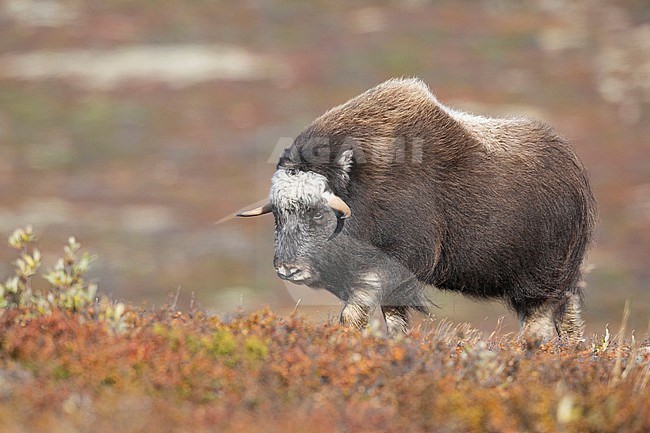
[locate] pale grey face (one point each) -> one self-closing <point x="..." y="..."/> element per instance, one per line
<point x="307" y="217"/>
<point x="305" y="223"/>
<point x="294" y="189"/>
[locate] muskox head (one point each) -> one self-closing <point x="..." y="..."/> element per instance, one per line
<point x="308" y="215"/>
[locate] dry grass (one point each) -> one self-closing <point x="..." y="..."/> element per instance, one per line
<point x="186" y="371"/>
<point x="73" y="362"/>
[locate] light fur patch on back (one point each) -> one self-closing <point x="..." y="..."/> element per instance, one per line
<point x="412" y="85"/>
<point x="299" y="190"/>
<point x="489" y="131"/>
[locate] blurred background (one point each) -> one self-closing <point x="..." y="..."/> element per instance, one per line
<point x="136" y="126"/>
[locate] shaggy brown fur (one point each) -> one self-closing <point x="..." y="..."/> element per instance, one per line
<point x="491" y="208"/>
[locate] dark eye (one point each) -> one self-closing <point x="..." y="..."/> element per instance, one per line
<point x="317" y="215"/>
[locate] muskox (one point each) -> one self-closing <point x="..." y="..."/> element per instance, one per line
<point x="392" y="192"/>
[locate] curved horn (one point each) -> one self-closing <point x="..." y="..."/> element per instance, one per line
<point x="340" y="221"/>
<point x="257" y="211"/>
<point x="337" y="204"/>
<point x="342" y="212"/>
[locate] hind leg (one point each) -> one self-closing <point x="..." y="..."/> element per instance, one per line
<point x="568" y="318"/>
<point x="562" y="318"/>
<point x="538" y="324"/>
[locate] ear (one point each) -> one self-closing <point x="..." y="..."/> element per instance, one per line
<point x="344" y="162"/>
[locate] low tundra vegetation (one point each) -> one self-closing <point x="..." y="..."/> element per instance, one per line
<point x="74" y="361"/>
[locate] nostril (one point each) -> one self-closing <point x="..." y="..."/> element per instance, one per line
<point x="282" y="270"/>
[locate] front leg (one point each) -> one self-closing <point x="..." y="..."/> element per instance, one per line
<point x="396" y="318"/>
<point x="402" y="294"/>
<point x="362" y="301"/>
<point x="355" y="315"/>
